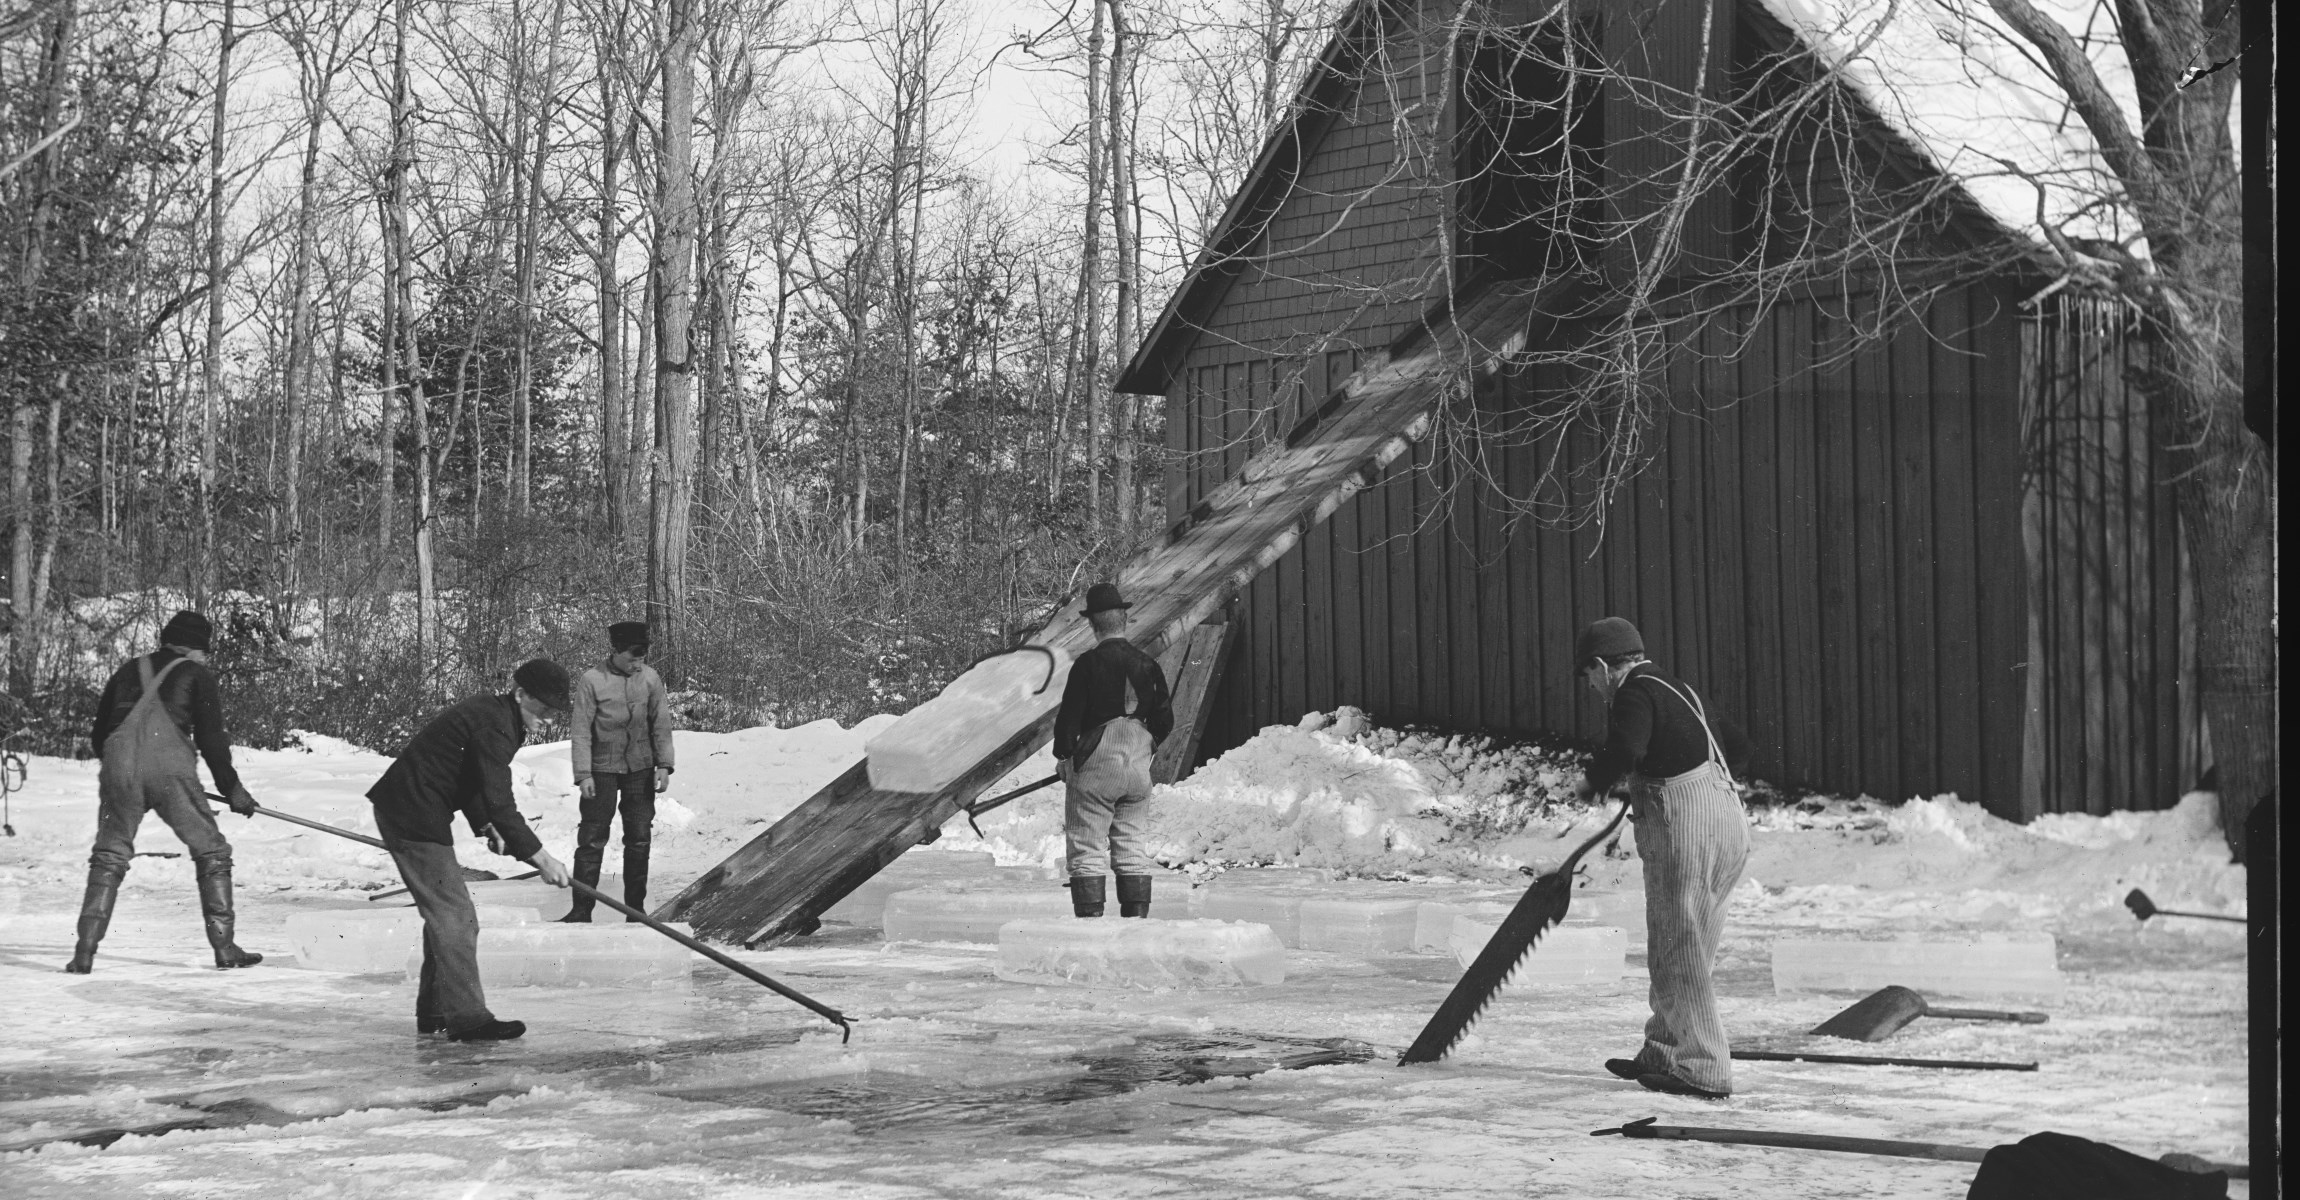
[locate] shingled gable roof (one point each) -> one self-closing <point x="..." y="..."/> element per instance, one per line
<point x="1961" y="97"/>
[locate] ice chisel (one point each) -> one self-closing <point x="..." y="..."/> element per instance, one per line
<point x="980" y="807"/>
<point x="583" y="889"/>
<point x="400" y="891"/>
<point x="1646" y="1128"/>
<point x="1542" y="906"/>
<point x="470" y="874"/>
<point x="1867" y="1060"/>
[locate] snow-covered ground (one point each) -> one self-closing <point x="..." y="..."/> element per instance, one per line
<point x="283" y="1082"/>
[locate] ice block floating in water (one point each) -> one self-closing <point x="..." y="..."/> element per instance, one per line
<point x="930" y="915"/>
<point x="551" y="902"/>
<point x="1358" y="927"/>
<point x="1566" y="955"/>
<point x="555" y="955"/>
<point x="1433" y="920"/>
<point x="1281" y="911"/>
<point x="866" y="905"/>
<point x="2020" y="964"/>
<point x="938" y="741"/>
<point x="1146" y="954"/>
<point x="360" y="941"/>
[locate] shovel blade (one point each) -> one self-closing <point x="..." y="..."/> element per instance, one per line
<point x="1877" y="1016"/>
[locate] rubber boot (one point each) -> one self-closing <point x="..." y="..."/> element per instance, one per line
<point x="216" y="912"/>
<point x="634" y="871"/>
<point x="95" y="917"/>
<point x="1133" y="895"/>
<point x="1086" y="895"/>
<point x="590" y="851"/>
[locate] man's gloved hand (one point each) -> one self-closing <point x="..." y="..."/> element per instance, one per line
<point x="587" y="788"/>
<point x="553" y="871"/>
<point x="494" y="839"/>
<point x="241" y="802"/>
<point x="662" y="779"/>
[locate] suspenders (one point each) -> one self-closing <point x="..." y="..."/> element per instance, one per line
<point x="1716" y="752"/>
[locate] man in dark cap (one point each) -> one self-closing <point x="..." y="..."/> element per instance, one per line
<point x="461" y="762"/>
<point x="620" y="740"/>
<point x="1692" y="840"/>
<point x="155" y="709"/>
<point x="1115" y="711"/>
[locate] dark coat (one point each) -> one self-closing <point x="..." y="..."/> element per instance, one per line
<point x="461" y="761"/>
<point x="193" y="703"/>
<point x="1096" y="694"/>
<point x="1654" y="733"/>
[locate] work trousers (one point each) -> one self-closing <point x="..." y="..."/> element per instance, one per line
<point x="124" y="794"/>
<point x="1103" y="817"/>
<point x="631" y="793"/>
<point x="1694" y="842"/>
<point x="450" y="984"/>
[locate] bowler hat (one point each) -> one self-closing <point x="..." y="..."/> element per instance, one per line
<point x="187" y="629"/>
<point x="546" y="681"/>
<point x="1606" y="637"/>
<point x="622" y="634"/>
<point x="1103" y="597"/>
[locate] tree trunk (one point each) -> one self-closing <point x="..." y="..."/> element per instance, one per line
<point x="1090" y="362"/>
<point x="1125" y="245"/>
<point x="674" y="264"/>
<point x="212" y="352"/>
<point x="427" y="647"/>
<point x="39" y="177"/>
<point x="530" y="244"/>
<point x="300" y="337"/>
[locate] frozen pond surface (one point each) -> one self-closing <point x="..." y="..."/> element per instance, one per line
<point x="158" y="1076"/>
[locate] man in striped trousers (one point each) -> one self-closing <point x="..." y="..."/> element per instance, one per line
<point x="1693" y="842"/>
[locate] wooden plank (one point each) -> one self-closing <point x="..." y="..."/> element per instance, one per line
<point x="1761" y="503"/>
<point x="1873" y="535"/>
<point x="1911" y="431"/>
<point x="1956" y="616"/>
<point x="1837" y="556"/>
<point x="1465" y="668"/>
<point x="1193" y="685"/>
<point x="1726" y="685"/>
<point x="1405" y="619"/>
<point x="1800" y="568"/>
<point x="1491" y="580"/>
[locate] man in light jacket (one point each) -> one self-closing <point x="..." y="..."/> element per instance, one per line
<point x="620" y="736"/>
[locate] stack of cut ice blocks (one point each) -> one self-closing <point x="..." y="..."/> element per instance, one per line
<point x="973" y="915"/>
<point x="555" y="955"/>
<point x="866" y="905"/>
<point x="551" y="902"/>
<point x="1982" y="965"/>
<point x="1146" y="954"/>
<point x="1565" y="956"/>
<point x="374" y="941"/>
<point x="1271" y="896"/>
<point x="1358" y="928"/>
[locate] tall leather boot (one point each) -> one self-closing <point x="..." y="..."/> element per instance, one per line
<point x="95" y="917"/>
<point x="1086" y="895"/>
<point x="635" y="870"/>
<point x="216" y="913"/>
<point x="1133" y="895"/>
<point x="590" y="851"/>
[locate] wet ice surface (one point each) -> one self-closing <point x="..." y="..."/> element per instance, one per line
<point x="158" y="1076"/>
<point x="277" y="1082"/>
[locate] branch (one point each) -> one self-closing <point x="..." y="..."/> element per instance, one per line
<point x="2090" y="97"/>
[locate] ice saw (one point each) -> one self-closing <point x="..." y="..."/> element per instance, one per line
<point x="1542" y="906"/>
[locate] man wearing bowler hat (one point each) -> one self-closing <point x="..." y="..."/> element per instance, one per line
<point x="620" y="739"/>
<point x="1691" y="839"/>
<point x="461" y="762"/>
<point x="1115" y="711"/>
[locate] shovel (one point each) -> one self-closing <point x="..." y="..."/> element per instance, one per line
<point x="1890" y="1009"/>
<point x="2144" y="908"/>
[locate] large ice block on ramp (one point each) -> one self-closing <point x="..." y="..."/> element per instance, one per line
<point x="1566" y="955"/>
<point x="374" y="941"/>
<point x="938" y="741"/>
<point x="556" y="955"/>
<point x="1147" y="954"/>
<point x="866" y="905"/>
<point x="932" y="915"/>
<point x="1986" y="965"/>
<point x="1358" y="927"/>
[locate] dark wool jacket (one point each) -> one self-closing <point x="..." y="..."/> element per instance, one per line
<point x="460" y="761"/>
<point x="1096" y="694"/>
<point x="1655" y="734"/>
<point x="189" y="694"/>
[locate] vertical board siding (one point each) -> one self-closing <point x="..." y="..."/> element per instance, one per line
<point x="1825" y="551"/>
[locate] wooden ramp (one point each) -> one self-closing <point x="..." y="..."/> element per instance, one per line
<point x="775" y="887"/>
